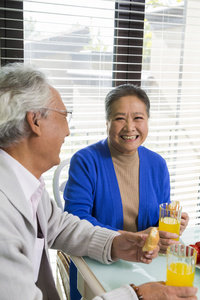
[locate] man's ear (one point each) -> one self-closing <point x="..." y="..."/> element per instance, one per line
<point x="33" y="120"/>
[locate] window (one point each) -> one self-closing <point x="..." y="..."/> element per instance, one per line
<point x="170" y="73"/>
<point x="88" y="47"/>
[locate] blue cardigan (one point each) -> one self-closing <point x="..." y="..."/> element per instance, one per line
<point x="92" y="190"/>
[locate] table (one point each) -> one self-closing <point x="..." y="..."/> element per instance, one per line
<point x="95" y="278"/>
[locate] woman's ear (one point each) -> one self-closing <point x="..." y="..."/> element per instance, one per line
<point x="107" y="127"/>
<point x="33" y="120"/>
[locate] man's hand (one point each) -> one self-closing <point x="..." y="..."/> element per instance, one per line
<point x="184" y="221"/>
<point x="128" y="246"/>
<point x="158" y="291"/>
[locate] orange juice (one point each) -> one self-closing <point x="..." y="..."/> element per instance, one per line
<point x="169" y="224"/>
<point x="180" y="274"/>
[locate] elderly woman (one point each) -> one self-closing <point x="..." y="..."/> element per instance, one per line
<point x="117" y="183"/>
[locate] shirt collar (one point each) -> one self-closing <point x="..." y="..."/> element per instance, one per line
<point x="28" y="182"/>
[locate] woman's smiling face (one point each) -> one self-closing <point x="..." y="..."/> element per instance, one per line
<point x="127" y="126"/>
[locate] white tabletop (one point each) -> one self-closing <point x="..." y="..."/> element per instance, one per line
<point x="108" y="277"/>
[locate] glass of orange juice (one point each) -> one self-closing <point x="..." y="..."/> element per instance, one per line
<point x="169" y="219"/>
<point x="181" y="262"/>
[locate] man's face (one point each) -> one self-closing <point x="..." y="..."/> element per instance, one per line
<point x="54" y="130"/>
<point x="127" y="126"/>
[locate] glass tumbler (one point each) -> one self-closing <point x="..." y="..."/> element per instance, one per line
<point x="169" y="219"/>
<point x="181" y="262"/>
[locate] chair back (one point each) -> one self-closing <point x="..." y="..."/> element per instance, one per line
<point x="60" y="180"/>
<point x="63" y="260"/>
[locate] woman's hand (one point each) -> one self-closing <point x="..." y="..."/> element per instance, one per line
<point x="166" y="239"/>
<point x="184" y="221"/>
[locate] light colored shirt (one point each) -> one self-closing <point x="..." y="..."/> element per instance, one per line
<point x="92" y="241"/>
<point x="127" y="173"/>
<point x="33" y="189"/>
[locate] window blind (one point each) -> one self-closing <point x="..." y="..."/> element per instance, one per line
<point x="170" y="73"/>
<point x="88" y="47"/>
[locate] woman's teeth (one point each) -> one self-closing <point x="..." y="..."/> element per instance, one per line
<point x="130" y="137"/>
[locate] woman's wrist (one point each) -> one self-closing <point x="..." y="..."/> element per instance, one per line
<point x="137" y="291"/>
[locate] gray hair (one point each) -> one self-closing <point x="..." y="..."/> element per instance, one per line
<point x="22" y="89"/>
<point x="122" y="91"/>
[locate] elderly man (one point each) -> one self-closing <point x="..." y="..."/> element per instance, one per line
<point x="33" y="126"/>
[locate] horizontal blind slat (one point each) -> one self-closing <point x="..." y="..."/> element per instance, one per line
<point x="73" y="43"/>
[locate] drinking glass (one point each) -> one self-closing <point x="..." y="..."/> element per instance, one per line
<point x="181" y="262"/>
<point x="169" y="219"/>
